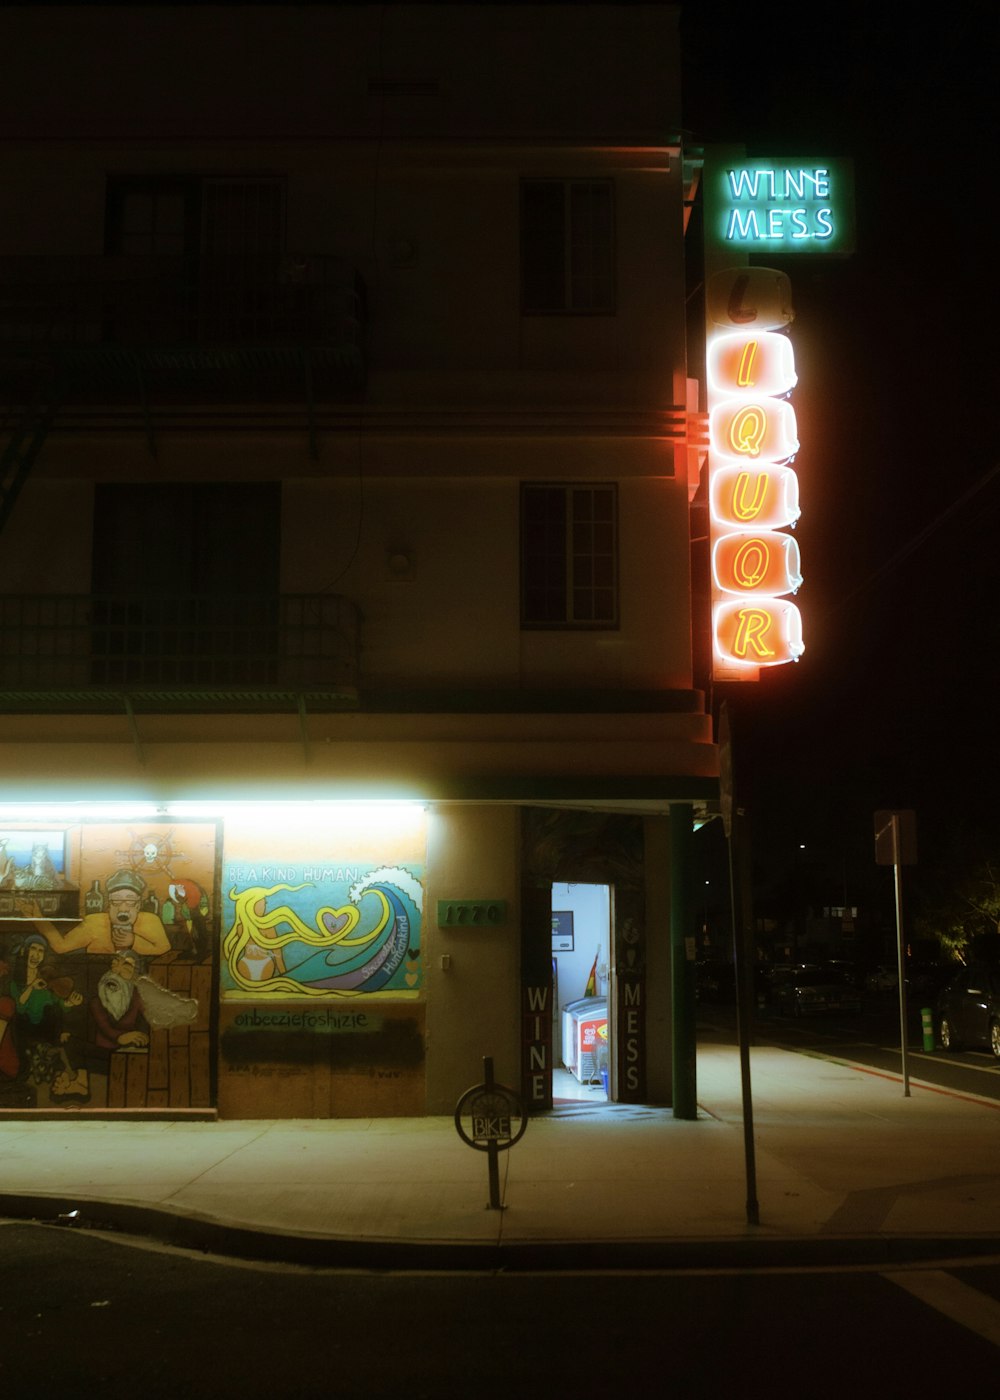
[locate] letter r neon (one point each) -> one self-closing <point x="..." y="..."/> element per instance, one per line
<point x="754" y="626"/>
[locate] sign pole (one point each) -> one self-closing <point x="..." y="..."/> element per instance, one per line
<point x="897" y="864"/>
<point x="732" y="823"/>
<point x="492" y="1152"/>
<point x="896" y="845"/>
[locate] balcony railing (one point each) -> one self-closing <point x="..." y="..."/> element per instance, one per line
<point x="179" y="646"/>
<point x="180" y="312"/>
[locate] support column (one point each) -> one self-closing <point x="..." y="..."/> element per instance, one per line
<point x="682" y="963"/>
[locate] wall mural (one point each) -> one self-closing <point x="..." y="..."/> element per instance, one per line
<point x="320" y="969"/>
<point x="326" y="931"/>
<point x="106" y="965"/>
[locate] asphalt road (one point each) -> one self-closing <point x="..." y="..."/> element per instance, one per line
<point x="85" y="1315"/>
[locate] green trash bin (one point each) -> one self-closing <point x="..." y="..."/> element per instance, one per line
<point x="927" y="1025"/>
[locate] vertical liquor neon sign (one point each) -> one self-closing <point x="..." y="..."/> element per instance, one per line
<point x="753" y="491"/>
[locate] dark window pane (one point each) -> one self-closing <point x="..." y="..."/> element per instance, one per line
<point x="583" y="610"/>
<point x="543" y="246"/>
<point x="561" y="565"/>
<point x="604" y="572"/>
<point x="604" y="604"/>
<point x="567" y="246"/>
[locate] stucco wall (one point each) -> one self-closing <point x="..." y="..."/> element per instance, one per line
<point x="473" y="1006"/>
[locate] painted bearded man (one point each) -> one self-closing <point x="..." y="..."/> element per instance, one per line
<point x="118" y="1012"/>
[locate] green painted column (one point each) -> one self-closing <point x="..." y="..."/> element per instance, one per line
<point x="685" y="1072"/>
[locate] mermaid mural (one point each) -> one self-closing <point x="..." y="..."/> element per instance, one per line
<point x="291" y="948"/>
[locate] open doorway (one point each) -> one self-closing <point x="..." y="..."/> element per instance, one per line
<point x="581" y="971"/>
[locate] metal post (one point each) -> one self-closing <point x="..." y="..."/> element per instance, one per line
<point x="744" y="1004"/>
<point x="492" y="1151"/>
<point x="897" y="867"/>
<point x="685" y="1060"/>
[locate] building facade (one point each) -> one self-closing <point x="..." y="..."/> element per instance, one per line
<point x="350" y="727"/>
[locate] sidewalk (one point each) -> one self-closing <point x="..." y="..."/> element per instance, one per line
<point x="847" y="1168"/>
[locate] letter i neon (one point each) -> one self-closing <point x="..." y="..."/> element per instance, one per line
<point x="745" y="375"/>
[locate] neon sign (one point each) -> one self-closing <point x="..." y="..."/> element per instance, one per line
<point x="766" y="632"/>
<point x="765" y="497"/>
<point x="757" y="428"/>
<point x="795" y="206"/>
<point x="764" y="562"/>
<point x="762" y="363"/>
<point x="753" y="491"/>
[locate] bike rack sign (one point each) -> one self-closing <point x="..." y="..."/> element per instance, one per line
<point x="490" y="1117"/>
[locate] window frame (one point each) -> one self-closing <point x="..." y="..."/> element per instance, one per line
<point x="574" y="247"/>
<point x="575" y="560"/>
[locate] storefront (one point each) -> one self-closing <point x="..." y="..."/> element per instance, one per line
<point x="326" y="959"/>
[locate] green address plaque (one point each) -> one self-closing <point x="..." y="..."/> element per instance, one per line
<point x="471" y="913"/>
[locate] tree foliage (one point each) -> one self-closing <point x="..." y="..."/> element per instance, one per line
<point x="958" y="902"/>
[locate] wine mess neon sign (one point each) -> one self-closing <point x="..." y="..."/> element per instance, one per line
<point x="794" y="206"/>
<point x="753" y="491"/>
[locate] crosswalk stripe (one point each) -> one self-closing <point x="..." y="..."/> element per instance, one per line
<point x="949" y="1295"/>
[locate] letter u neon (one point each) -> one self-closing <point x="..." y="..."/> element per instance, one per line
<point x="742" y="507"/>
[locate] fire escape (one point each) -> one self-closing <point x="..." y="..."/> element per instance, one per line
<point x="122" y="340"/>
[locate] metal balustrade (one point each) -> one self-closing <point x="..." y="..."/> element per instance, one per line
<point x="177" y="644"/>
<point x="172" y="301"/>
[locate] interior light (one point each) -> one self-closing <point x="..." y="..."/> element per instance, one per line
<point x="67" y="812"/>
<point x="294" y="813"/>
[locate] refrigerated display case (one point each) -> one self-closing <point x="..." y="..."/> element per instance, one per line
<point x="584" y="1035"/>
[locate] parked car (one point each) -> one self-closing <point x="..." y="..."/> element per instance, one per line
<point x="968" y="1010"/>
<point x="926" y="980"/>
<point x="882" y="979"/>
<point x="848" y="969"/>
<point x="803" y="991"/>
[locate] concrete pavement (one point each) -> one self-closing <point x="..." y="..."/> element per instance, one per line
<point x="847" y="1170"/>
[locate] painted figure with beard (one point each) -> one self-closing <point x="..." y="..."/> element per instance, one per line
<point x="127" y="1005"/>
<point x="120" y="1024"/>
<point x="118" y="1012"/>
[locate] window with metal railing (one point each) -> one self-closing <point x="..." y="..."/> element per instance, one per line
<point x="83" y="643"/>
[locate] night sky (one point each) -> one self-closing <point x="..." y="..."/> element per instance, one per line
<point x="892" y="705"/>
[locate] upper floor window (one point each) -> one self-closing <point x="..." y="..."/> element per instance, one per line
<point x="567" y="247"/>
<point x="187" y="215"/>
<point x="569" y="555"/>
<point x="204" y="538"/>
<point x="215" y="245"/>
<point x="185" y="582"/>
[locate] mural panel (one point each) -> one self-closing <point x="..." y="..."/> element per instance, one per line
<point x="320" y="937"/>
<point x="311" y="915"/>
<point x="107" y="933"/>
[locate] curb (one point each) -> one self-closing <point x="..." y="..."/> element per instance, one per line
<point x="203" y="1235"/>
